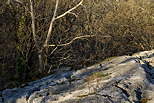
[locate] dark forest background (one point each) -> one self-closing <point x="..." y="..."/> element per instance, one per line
<point x="122" y="27"/>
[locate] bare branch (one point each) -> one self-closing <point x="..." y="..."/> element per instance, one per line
<point x="39" y="49"/>
<point x="64" y="58"/>
<point x="73" y="14"/>
<point x="69" y="11"/>
<point x="54" y="18"/>
<point x="16" y="1"/>
<point x="54" y="50"/>
<point x="80" y="37"/>
<point x="51" y="24"/>
<point x="33" y="24"/>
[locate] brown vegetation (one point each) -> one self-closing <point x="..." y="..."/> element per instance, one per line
<point x="121" y="27"/>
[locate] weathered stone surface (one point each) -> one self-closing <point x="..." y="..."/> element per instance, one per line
<point x="125" y="79"/>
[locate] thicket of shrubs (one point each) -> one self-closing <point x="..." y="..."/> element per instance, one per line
<point x="121" y="27"/>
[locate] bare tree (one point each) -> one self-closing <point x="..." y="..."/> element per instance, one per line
<point x="55" y="17"/>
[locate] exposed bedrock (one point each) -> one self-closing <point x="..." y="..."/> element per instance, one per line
<point x="124" y="79"/>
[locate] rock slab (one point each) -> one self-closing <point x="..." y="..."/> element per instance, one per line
<point x="124" y="79"/>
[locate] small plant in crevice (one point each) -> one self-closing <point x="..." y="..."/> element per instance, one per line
<point x="84" y="95"/>
<point x="110" y="58"/>
<point x="99" y="74"/>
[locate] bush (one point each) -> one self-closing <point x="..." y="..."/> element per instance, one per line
<point x="129" y="25"/>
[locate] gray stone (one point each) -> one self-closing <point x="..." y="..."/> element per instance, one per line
<point x="124" y="79"/>
<point x="1" y="100"/>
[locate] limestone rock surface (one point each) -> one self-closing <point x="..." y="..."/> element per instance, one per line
<point x="124" y="79"/>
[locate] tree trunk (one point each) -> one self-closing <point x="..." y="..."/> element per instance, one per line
<point x="38" y="47"/>
<point x="41" y="63"/>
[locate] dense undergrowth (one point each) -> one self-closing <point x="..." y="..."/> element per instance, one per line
<point x="121" y="27"/>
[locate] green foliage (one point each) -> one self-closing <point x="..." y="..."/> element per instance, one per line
<point x="20" y="33"/>
<point x="20" y="62"/>
<point x="99" y="74"/>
